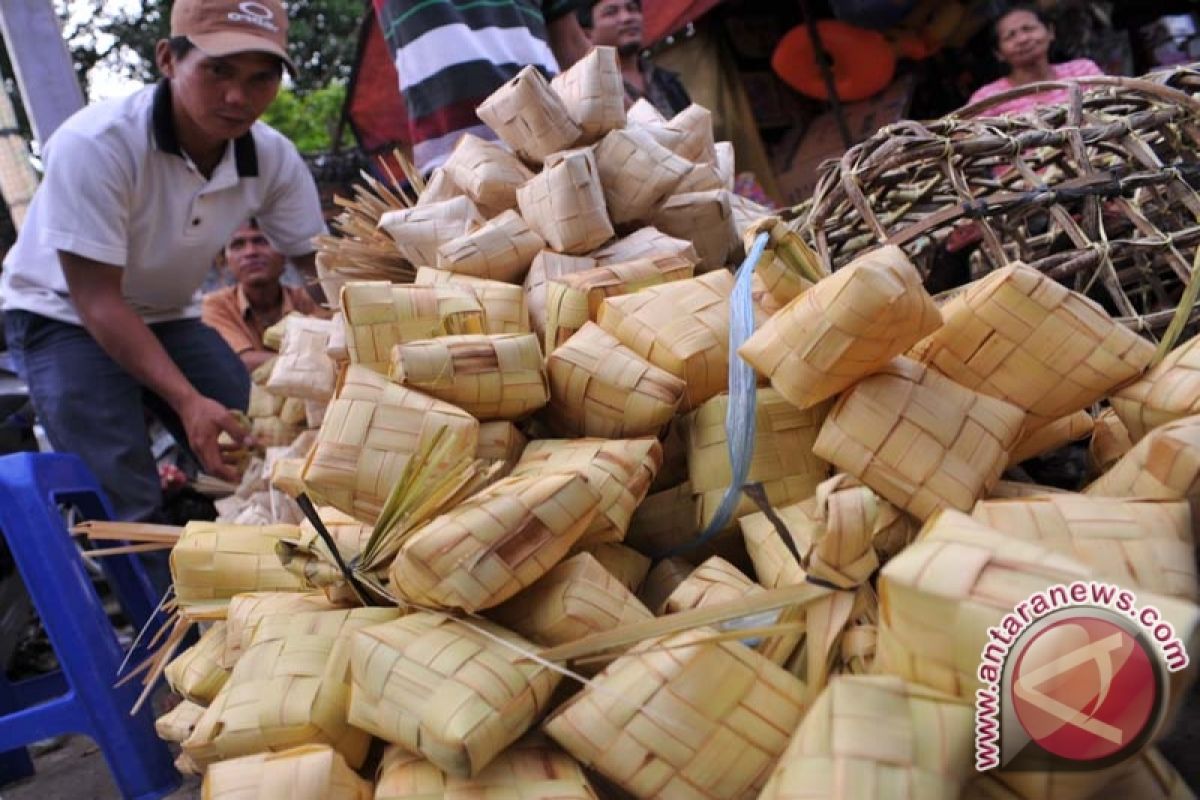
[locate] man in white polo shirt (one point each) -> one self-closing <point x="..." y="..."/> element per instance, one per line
<point x="139" y="194"/>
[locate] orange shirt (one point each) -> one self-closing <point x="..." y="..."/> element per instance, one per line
<point x="228" y="312"/>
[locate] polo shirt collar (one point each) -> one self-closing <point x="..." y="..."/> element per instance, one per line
<point x="245" y="154"/>
<point x="243" y="305"/>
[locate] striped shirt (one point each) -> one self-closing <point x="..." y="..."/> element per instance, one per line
<point x="452" y="54"/>
<point x="1079" y="68"/>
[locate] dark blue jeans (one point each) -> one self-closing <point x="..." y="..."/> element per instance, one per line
<point x="90" y="406"/>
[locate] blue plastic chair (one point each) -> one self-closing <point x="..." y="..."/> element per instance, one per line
<point x="80" y="698"/>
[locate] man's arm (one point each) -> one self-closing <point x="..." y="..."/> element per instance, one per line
<point x="96" y="293"/>
<point x="253" y="359"/>
<point x="567" y="40"/>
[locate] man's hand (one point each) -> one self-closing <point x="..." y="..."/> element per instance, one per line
<point x="204" y="420"/>
<point x="568" y="42"/>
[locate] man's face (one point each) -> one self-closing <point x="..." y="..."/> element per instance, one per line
<point x="251" y="258"/>
<point x="217" y="99"/>
<point x="617" y="23"/>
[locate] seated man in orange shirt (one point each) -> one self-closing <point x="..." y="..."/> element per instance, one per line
<point x="242" y="313"/>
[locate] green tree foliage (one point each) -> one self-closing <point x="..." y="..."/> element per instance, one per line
<point x="310" y="120"/>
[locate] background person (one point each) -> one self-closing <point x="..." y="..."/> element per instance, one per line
<point x="618" y="23"/>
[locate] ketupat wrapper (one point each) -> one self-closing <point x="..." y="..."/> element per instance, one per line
<point x="438" y="187"/>
<point x="1051" y="436"/>
<point x="626" y="564"/>
<point x="458" y="693"/>
<point x="546" y="266"/>
<point x="869" y="737"/>
<point x="487" y="172"/>
<point x="379" y="315"/>
<point x="178" y="723"/>
<point x="1146" y="774"/>
<point x="788" y="267"/>
<point x="302" y="368"/>
<point x="637" y="173"/>
<point x="661" y="580"/>
<point x="505" y="308"/>
<point x="1167" y="392"/>
<point x="199" y="672"/>
<point x="501" y="250"/>
<point x="1110" y="440"/>
<point x="263" y="403"/>
<point x="564" y="203"/>
<point x="1165" y="465"/>
<point x="308" y="772"/>
<point x="647" y="242"/>
<point x="774" y="563"/>
<point x="502" y="442"/>
<point x="697" y="144"/>
<point x="529" y="116"/>
<point x="247" y="610"/>
<point x="593" y="92"/>
<point x="706" y="220"/>
<point x="664" y="520"/>
<point x="421" y="230"/>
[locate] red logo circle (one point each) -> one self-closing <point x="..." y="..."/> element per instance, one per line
<point x="1084" y="688"/>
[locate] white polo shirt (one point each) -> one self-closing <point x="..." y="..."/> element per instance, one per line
<point x="119" y="190"/>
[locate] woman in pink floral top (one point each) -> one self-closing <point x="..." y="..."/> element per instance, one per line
<point x="1022" y="40"/>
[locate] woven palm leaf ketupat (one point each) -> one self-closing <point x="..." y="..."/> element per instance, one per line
<point x="546" y="266"/>
<point x="263" y="403"/>
<point x="379" y="315"/>
<point x="419" y="231"/>
<point x="496" y="543"/>
<point x="499" y="376"/>
<point x="529" y="116"/>
<point x="302" y="368"/>
<point x="706" y="220"/>
<point x="1164" y="464"/>
<point x="848" y="326"/>
<point x="620" y="471"/>
<point x="637" y="173"/>
<point x="647" y="242"/>
<point x="504" y="305"/>
<point x="1051" y="436"/>
<point x="501" y="250"/>
<point x="713" y="582"/>
<point x="274" y="431"/>
<point x="788" y="267"/>
<point x="593" y="92"/>
<point x="695" y="123"/>
<point x="1145" y="544"/>
<point x="661" y="580"/>
<point x="487" y="172"/>
<point x="869" y="736"/>
<point x="371" y="430"/>
<point x="291" y="687"/>
<point x="725" y="164"/>
<point x="918" y="439"/>
<point x="292" y="413"/>
<point x="774" y="563"/>
<point x="247" y="610"/>
<point x="701" y="178"/>
<point x="858" y="531"/>
<point x="599" y="387"/>
<point x="1146" y="774"/>
<point x="572" y="300"/>
<point x="1095" y="192"/>
<point x="308" y="772"/>
<point x="564" y="203"/>
<point x="533" y="768"/>
<point x="673" y="139"/>
<point x="1110" y="440"/>
<point x="214" y="561"/>
<point x="659" y="724"/>
<point x="337" y="349"/>
<point x="198" y="673"/>
<point x="438" y="188"/>
<point x="457" y="693"/>
<point x="501" y="441"/>
<point x="1167" y="392"/>
<point x="642" y="113"/>
<point x="626" y="564"/>
<point x="178" y="723"/>
<point x="664" y="520"/>
<point x="1022" y="337"/>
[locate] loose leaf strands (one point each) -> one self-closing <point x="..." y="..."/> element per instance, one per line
<point x="487" y="172"/>
<point x="1022" y="337"/>
<point x="307" y="772"/>
<point x="291" y="687"/>
<point x="869" y="736"/>
<point x="637" y="173"/>
<point x="198" y="673"/>
<point x="546" y="266"/>
<point x="529" y="116"/>
<point x="419" y="232"/>
<point x="593" y="92"/>
<point x="647" y="242"/>
<point x="501" y="250"/>
<point x="658" y="724"/>
<point x="505" y="307"/>
<point x="500" y="376"/>
<point x="564" y="203"/>
<point x="599" y="387"/>
<point x="1167" y="392"/>
<point x="309" y="556"/>
<point x="496" y="543"/>
<point x="1144" y="544"/>
<point x="456" y="693"/>
<point x="706" y="220"/>
<point x="379" y="315"/>
<point x="848" y="326"/>
<point x="918" y="439"/>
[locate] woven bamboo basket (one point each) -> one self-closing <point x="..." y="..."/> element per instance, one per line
<point x="726" y="167"/>
<point x="302" y="368"/>
<point x="308" y="772"/>
<point x="371" y="430"/>
<point x="626" y="564"/>
<point x="379" y="315"/>
<point x="1167" y="392"/>
<point x="696" y="126"/>
<point x="247" y="610"/>
<point x="213" y="561"/>
<point x="848" y="326"/>
<point x="504" y="305"/>
<point x="564" y="203"/>
<point x="701" y="178"/>
<point x="576" y="598"/>
<point x="496" y="543"/>
<point x="262" y="403"/>
<point x="439" y="186"/>
<point x="783" y="459"/>
<point x="620" y="471"/>
<point x="661" y="580"/>
<point x="658" y="725"/>
<point x="419" y="231"/>
<point x="593" y="92"/>
<point x="1020" y="336"/>
<point x="870" y="736"/>
<point x="529" y="116"/>
<point x="647" y="242"/>
<point x="1145" y="544"/>
<point x="939" y="596"/>
<point x="487" y="172"/>
<point x="501" y="250"/>
<point x="499" y="376"/>
<point x="643" y="113"/>
<point x="548" y="265"/>
<point x="637" y="173"/>
<point x="774" y="563"/>
<point x="199" y="672"/>
<point x="706" y="220"/>
<point x="178" y="723"/>
<point x="664" y="520"/>
<point x="1164" y="464"/>
<point x="291" y="687"/>
<point x="682" y="327"/>
<point x="456" y="693"/>
<point x="599" y="387"/>
<point x="572" y="300"/>
<point x="1095" y="192"/>
<point x="1051" y="436"/>
<point x="1147" y="774"/>
<point x="533" y="768"/>
<point x="1110" y="440"/>
<point x="501" y="441"/>
<point x="918" y="439"/>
